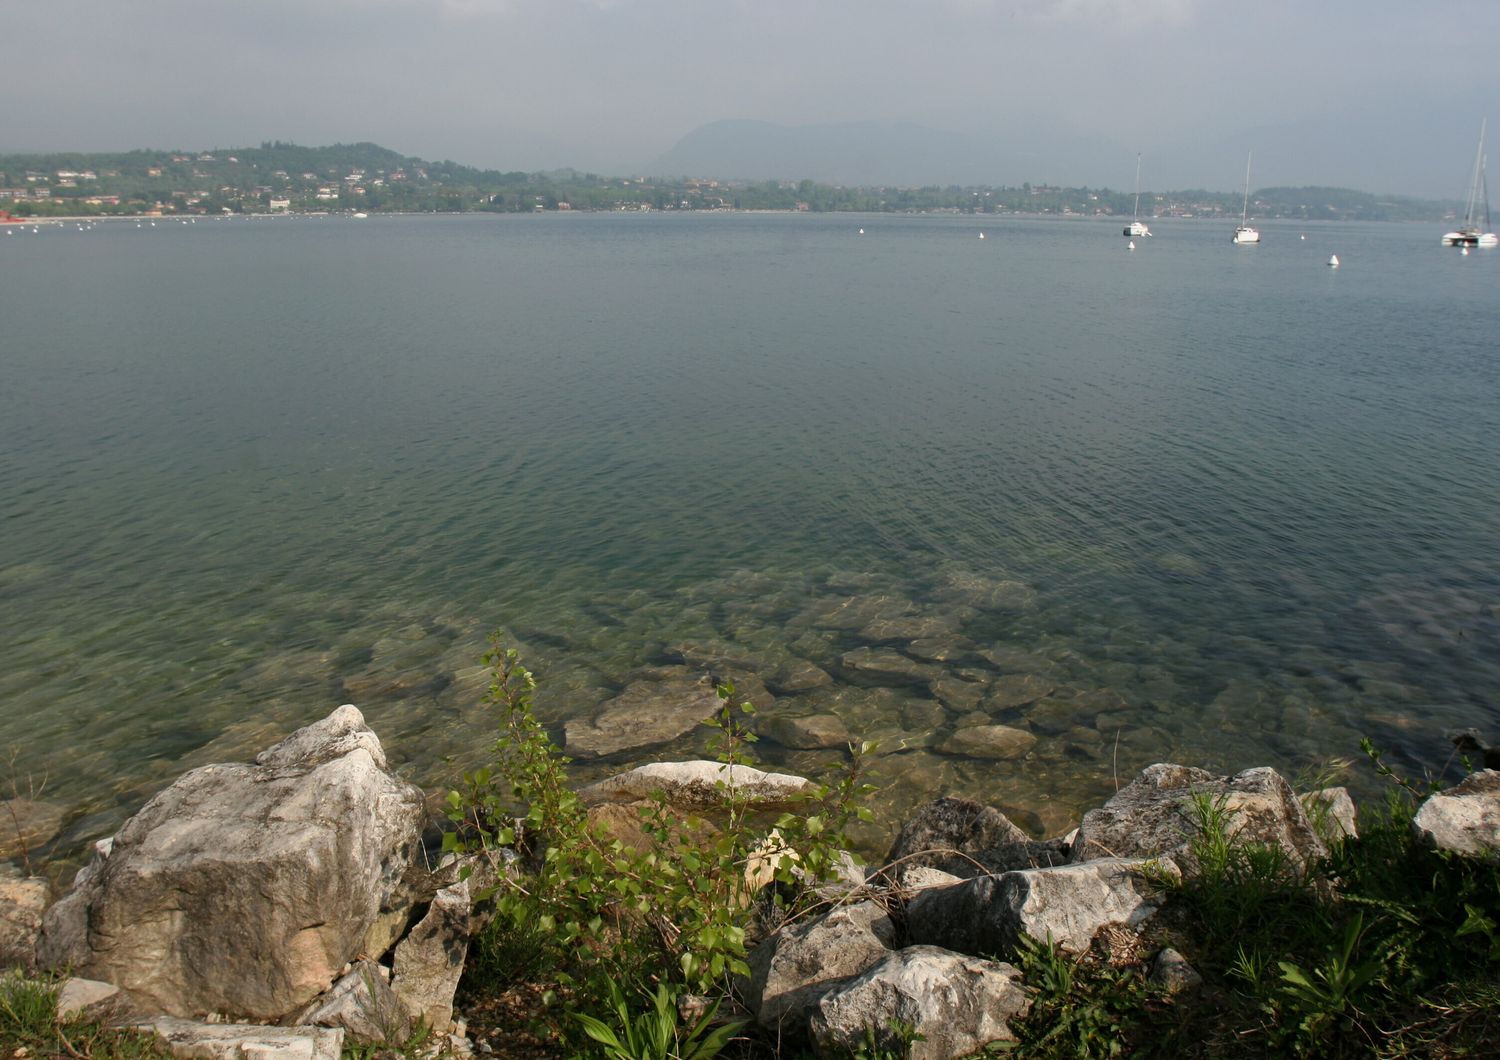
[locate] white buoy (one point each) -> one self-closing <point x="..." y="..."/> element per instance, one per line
<point x="1333" y="262"/>
<point x="1130" y="245"/>
<point x="1301" y="237"/>
<point x="861" y="231"/>
<point x="981" y="235"/>
<point x="1464" y="252"/>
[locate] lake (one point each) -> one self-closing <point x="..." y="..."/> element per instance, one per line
<point x="1219" y="505"/>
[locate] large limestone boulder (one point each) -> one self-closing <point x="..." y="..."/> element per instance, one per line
<point x="699" y="784"/>
<point x="956" y="1004"/>
<point x="244" y="889"/>
<point x="1155" y="815"/>
<point x="792" y="968"/>
<point x="1464" y="819"/>
<point x="651" y="711"/>
<point x="1067" y="904"/>
<point x="966" y="839"/>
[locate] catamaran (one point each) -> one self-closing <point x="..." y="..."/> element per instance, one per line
<point x="1243" y="233"/>
<point x="1137" y="227"/>
<point x="1471" y="234"/>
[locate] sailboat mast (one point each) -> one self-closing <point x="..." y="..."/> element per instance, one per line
<point x="1245" y="210"/>
<point x="1475" y="179"/>
<point x="1137" y="213"/>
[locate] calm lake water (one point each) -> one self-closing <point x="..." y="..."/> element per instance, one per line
<point x="1226" y="506"/>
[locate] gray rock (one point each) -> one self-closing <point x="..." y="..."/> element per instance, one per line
<point x="910" y="627"/>
<point x="1332" y="814"/>
<point x="940" y="649"/>
<point x="1010" y="659"/>
<point x="85" y="997"/>
<point x="1154" y="816"/>
<point x="22" y="903"/>
<point x="363" y="1004"/>
<point x="1065" y="903"/>
<point x="989" y="741"/>
<point x="883" y="666"/>
<point x="799" y="676"/>
<point x="1016" y="690"/>
<point x="853" y="612"/>
<point x="698" y="785"/>
<point x="1172" y="974"/>
<point x="245" y="1041"/>
<point x="1056" y="716"/>
<point x="919" y="878"/>
<point x="793" y="967"/>
<point x="748" y="688"/>
<point x="986" y="593"/>
<point x="957" y="694"/>
<point x="717" y="656"/>
<point x="807" y="732"/>
<point x="956" y="1004"/>
<point x="649" y="712"/>
<point x="245" y="889"/>
<point x="923" y="715"/>
<point x="1464" y="819"/>
<point x="26" y="824"/>
<point x="430" y="960"/>
<point x="965" y="839"/>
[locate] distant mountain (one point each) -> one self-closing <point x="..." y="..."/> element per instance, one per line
<point x="864" y="153"/>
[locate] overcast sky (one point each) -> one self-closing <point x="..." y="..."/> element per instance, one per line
<point x="1382" y="95"/>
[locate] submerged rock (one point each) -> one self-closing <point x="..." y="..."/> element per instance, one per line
<point x="989" y="741"/>
<point x="804" y="732"/>
<point x="883" y="666"/>
<point x="799" y="676"/>
<point x="26" y="824"/>
<point x="1016" y="690"/>
<point x="649" y="712"/>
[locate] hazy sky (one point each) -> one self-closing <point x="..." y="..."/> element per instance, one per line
<point x="1383" y="95"/>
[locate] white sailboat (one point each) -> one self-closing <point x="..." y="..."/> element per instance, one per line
<point x="1471" y="234"/>
<point x="1243" y="233"/>
<point x="1137" y="227"/>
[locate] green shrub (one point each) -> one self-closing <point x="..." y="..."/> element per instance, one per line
<point x="593" y="916"/>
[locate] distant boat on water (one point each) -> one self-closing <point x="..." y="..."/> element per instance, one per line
<point x="1471" y="234"/>
<point x="1243" y="233"/>
<point x="1137" y="227"/>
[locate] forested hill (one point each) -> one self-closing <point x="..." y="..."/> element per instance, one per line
<point x="367" y="177"/>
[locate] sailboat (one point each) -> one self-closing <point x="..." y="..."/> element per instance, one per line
<point x="1471" y="234"/>
<point x="1137" y="227"/>
<point x="1243" y="233"/>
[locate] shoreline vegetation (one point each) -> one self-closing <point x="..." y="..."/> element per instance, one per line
<point x="709" y="909"/>
<point x="366" y="178"/>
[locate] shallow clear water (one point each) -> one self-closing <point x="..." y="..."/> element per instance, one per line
<point x="253" y="469"/>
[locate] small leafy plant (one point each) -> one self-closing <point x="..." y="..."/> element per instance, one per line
<point x="657" y="1033"/>
<point x="600" y="918"/>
